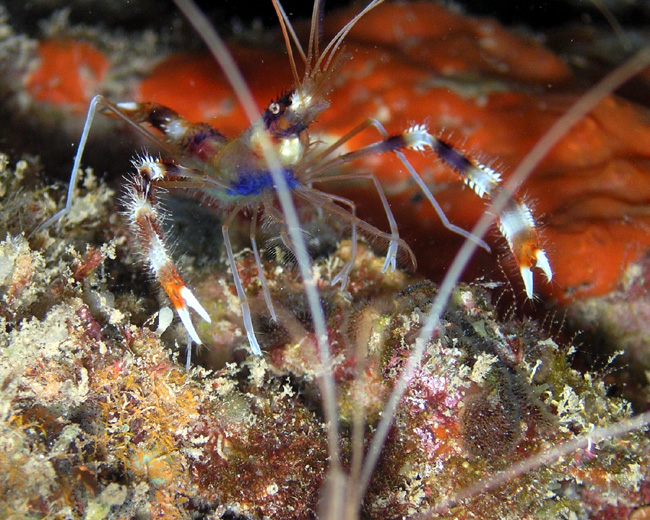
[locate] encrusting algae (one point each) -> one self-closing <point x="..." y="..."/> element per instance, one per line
<point x="100" y="420"/>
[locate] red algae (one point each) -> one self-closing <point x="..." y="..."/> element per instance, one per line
<point x="69" y="73"/>
<point x="447" y="41"/>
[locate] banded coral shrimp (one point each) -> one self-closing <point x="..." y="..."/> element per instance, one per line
<point x="229" y="175"/>
<point x="440" y="303"/>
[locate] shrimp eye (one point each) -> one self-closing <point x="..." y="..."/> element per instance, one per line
<point x="278" y="106"/>
<point x="276" y="110"/>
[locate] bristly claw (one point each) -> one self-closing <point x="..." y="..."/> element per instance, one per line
<point x="543" y="264"/>
<point x="187" y="299"/>
<point x="184" y="315"/>
<point x="191" y="301"/>
<point x="145" y="221"/>
<point x="541" y="261"/>
<point x="527" y="277"/>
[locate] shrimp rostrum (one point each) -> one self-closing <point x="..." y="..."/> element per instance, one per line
<point x="234" y="176"/>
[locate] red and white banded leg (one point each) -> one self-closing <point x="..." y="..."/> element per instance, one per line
<point x="145" y="223"/>
<point x="515" y="220"/>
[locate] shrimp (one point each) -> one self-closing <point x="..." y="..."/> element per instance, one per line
<point x="275" y="164"/>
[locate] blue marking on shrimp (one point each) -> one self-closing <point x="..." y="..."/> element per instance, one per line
<point x="254" y="183"/>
